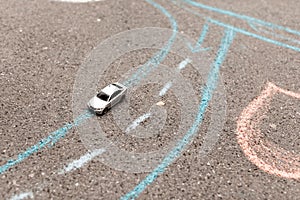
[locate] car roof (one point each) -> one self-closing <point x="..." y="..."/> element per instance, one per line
<point x="110" y="89"/>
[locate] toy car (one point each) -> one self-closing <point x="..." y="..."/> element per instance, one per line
<point x="107" y="98"/>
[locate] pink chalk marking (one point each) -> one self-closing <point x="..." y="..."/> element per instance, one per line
<point x="263" y="153"/>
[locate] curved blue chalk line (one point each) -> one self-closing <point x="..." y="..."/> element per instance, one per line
<point x="242" y="31"/>
<point x="239" y="30"/>
<point x="50" y="140"/>
<point x="144" y="70"/>
<point x="60" y="133"/>
<point x="239" y="16"/>
<point x="197" y="47"/>
<point x="258" y="29"/>
<point x="206" y="97"/>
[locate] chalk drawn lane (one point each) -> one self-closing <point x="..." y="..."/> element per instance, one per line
<point x="270" y="36"/>
<point x="43" y="43"/>
<point x="207" y="92"/>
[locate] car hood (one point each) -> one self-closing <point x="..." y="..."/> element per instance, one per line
<point x="97" y="103"/>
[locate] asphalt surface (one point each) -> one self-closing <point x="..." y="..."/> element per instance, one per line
<point x="44" y="43"/>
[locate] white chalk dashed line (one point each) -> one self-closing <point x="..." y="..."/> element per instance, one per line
<point x="164" y="90"/>
<point x="70" y="167"/>
<point x="136" y="122"/>
<point x="82" y="160"/>
<point x="183" y="63"/>
<point x="168" y="85"/>
<point x="22" y="196"/>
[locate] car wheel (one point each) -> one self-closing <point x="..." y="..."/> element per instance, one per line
<point x="104" y="111"/>
<point x="122" y="98"/>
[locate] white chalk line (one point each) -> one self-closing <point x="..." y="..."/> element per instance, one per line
<point x="183" y="63"/>
<point x="22" y="196"/>
<point x="136" y="122"/>
<point x="162" y="92"/>
<point x="165" y="89"/>
<point x="76" y="164"/>
<point x="168" y="85"/>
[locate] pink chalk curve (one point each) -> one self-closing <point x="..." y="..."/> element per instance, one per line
<point x="264" y="153"/>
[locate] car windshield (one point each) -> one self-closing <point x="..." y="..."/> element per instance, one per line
<point x="103" y="96"/>
<point x="117" y="86"/>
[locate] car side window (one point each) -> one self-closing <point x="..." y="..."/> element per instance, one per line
<point x="115" y="94"/>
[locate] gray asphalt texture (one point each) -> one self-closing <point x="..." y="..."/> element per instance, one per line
<point x="43" y="44"/>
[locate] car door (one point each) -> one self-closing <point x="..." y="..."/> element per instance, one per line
<point x="115" y="97"/>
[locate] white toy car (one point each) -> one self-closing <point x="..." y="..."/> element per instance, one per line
<point x="107" y="98"/>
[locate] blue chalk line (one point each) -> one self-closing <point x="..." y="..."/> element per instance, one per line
<point x="249" y="20"/>
<point x="242" y="17"/>
<point x="265" y="39"/>
<point x="259" y="29"/>
<point x="55" y="136"/>
<point x="202" y="36"/>
<point x="50" y="141"/>
<point x="156" y="60"/>
<point x="146" y="68"/>
<point x="206" y="97"/>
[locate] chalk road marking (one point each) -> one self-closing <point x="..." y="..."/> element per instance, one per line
<point x="76" y="164"/>
<point x="162" y="92"/>
<point x="78" y="1"/>
<point x="55" y="136"/>
<point x="262" y="29"/>
<point x="22" y="196"/>
<point x="169" y="84"/>
<point x="267" y="155"/>
<point x="160" y="56"/>
<point x="207" y="94"/>
<point x="183" y="63"/>
<point x="136" y="122"/>
<point x="245" y="18"/>
<point x="82" y="161"/>
<point x="165" y="89"/>
<point x="198" y="47"/>
<point x="240" y="16"/>
<point x="229" y="13"/>
<point x="88" y="78"/>
<point x="48" y="141"/>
